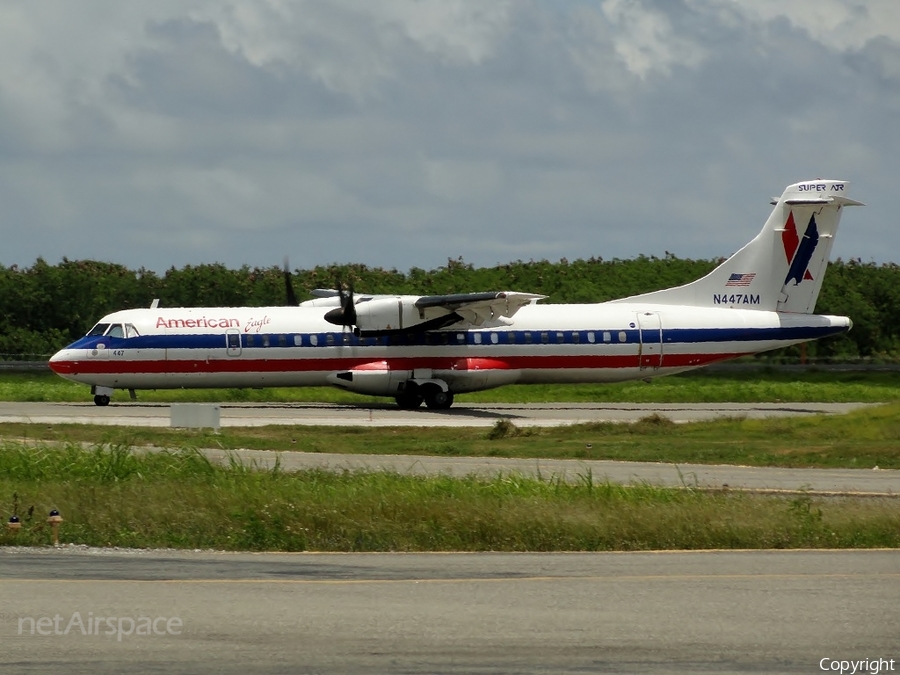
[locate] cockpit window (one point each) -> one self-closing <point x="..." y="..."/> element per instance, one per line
<point x="116" y="331"/>
<point x="131" y="331"/>
<point x="99" y="329"/>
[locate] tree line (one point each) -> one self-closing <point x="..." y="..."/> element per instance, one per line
<point x="44" y="307"/>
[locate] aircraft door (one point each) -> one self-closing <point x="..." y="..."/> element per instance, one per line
<point x="651" y="340"/>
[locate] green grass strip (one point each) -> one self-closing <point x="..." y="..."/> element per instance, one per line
<point x="111" y="496"/>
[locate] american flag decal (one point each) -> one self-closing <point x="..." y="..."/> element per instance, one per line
<point x="740" y="279"/>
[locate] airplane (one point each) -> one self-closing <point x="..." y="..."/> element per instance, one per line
<point x="431" y="348"/>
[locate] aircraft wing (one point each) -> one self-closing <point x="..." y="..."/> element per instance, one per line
<point x="374" y="315"/>
<point x="474" y="308"/>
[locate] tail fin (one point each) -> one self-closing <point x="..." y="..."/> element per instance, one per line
<point x="783" y="267"/>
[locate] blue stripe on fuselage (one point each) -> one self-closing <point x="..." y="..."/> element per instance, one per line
<point x="450" y="338"/>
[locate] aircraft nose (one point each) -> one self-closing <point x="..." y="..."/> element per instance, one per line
<point x="60" y="363"/>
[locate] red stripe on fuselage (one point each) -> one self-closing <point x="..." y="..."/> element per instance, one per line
<point x="244" y="365"/>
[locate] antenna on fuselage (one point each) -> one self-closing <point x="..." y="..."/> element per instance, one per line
<point x="155" y="303"/>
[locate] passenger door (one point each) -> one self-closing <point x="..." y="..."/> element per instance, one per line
<point x="651" y="340"/>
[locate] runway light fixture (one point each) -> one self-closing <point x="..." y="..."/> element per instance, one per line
<point x="55" y="519"/>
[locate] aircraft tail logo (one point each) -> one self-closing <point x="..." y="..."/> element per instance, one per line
<point x="799" y="251"/>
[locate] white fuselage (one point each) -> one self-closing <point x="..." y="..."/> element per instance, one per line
<point x="295" y="347"/>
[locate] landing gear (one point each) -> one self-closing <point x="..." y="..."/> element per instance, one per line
<point x="101" y="394"/>
<point x="431" y="392"/>
<point x="438" y="399"/>
<point x="409" y="401"/>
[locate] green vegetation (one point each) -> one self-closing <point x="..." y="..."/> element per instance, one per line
<point x="44" y="307"/>
<point x="109" y="495"/>
<point x="863" y="439"/>
<point x="697" y="387"/>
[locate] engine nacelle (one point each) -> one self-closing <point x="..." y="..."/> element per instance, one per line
<point x="387" y="314"/>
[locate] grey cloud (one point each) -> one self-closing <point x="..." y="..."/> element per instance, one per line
<point x="349" y="136"/>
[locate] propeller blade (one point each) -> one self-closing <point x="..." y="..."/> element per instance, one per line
<point x="350" y="310"/>
<point x="289" y="297"/>
<point x="345" y="315"/>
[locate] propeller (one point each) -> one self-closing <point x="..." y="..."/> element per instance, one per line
<point x="289" y="297"/>
<point x="345" y="315"/>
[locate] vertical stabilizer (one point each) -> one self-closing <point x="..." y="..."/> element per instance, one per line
<point x="783" y="267"/>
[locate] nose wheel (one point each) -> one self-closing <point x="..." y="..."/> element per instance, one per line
<point x="101" y="400"/>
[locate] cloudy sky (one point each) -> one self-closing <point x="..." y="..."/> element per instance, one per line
<point x="401" y="133"/>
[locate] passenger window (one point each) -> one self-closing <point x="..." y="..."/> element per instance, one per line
<point x="477" y="338"/>
<point x="234" y="340"/>
<point x="282" y="340"/>
<point x="265" y="340"/>
<point x="298" y="340"/>
<point x="560" y="337"/>
<point x="494" y="338"/>
<point x="249" y="340"/>
<point x="116" y="331"/>
<point x="313" y="340"/>
<point x="576" y="337"/>
<point x="607" y="336"/>
<point x="460" y="337"/>
<point x="329" y="339"/>
<point x="527" y="337"/>
<point x="590" y="336"/>
<point x="545" y="338"/>
<point x="622" y="336"/>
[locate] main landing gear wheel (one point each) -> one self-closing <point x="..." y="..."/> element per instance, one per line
<point x="409" y="401"/>
<point x="101" y="400"/>
<point x="437" y="399"/>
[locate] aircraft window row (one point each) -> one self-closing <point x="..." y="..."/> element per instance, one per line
<point x="431" y="339"/>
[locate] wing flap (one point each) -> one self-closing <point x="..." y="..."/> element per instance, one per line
<point x="476" y="308"/>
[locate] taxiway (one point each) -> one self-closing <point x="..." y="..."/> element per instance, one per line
<point x="676" y="612"/>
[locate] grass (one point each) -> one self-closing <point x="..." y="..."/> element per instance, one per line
<point x="696" y="387"/>
<point x="110" y="495"/>
<point x="865" y="438"/>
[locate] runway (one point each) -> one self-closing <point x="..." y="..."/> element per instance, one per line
<point x="127" y="413"/>
<point x="681" y="612"/>
<point x="716" y="476"/>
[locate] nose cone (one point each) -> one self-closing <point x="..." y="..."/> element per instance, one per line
<point x="61" y="362"/>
